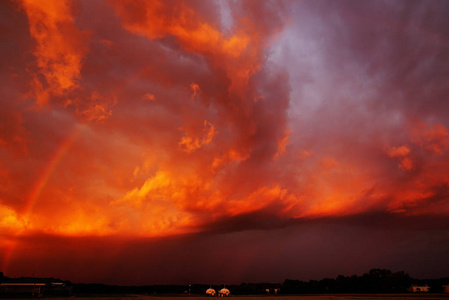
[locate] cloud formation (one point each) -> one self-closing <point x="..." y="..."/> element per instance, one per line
<point x="59" y="50"/>
<point x="159" y="118"/>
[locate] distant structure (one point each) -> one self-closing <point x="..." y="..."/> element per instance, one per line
<point x="272" y="291"/>
<point x="419" y="288"/>
<point x="224" y="292"/>
<point x="34" y="289"/>
<point x="210" y="292"/>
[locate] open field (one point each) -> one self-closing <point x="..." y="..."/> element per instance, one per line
<point x="268" y="297"/>
<point x="341" y="297"/>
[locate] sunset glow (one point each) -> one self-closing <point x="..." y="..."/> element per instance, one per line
<point x="163" y="125"/>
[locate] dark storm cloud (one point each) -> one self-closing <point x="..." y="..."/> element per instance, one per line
<point x="306" y="251"/>
<point x="401" y="44"/>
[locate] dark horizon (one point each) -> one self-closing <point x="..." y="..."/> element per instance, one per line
<point x="375" y="281"/>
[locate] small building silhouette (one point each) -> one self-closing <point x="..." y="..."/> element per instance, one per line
<point x="24" y="288"/>
<point x="419" y="288"/>
<point x="272" y="291"/>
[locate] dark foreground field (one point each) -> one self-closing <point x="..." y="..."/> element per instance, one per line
<point x="337" y="297"/>
<point x="332" y="297"/>
<point x="268" y="297"/>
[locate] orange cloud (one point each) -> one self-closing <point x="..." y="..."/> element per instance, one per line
<point x="97" y="108"/>
<point x="149" y="97"/>
<point x="406" y="164"/>
<point x="155" y="187"/>
<point x="156" y="19"/>
<point x="10" y="221"/>
<point x="156" y="207"/>
<point x="260" y="199"/>
<point x="238" y="54"/>
<point x="282" y="144"/>
<point x="402" y="152"/>
<point x="399" y="151"/>
<point x="60" y="47"/>
<point x="195" y="89"/>
<point x="190" y="144"/>
<point x="433" y="137"/>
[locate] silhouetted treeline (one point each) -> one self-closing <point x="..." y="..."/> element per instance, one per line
<point x="194" y="289"/>
<point x="375" y="281"/>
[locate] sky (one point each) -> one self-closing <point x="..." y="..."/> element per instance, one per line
<point x="176" y="142"/>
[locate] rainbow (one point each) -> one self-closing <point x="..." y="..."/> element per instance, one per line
<point x="37" y="189"/>
<point x="48" y="170"/>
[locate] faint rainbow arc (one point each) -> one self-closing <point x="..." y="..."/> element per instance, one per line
<point x="48" y="170"/>
<point x="38" y="187"/>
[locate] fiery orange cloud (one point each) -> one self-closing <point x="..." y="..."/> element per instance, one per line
<point x="195" y="89"/>
<point x="149" y="97"/>
<point x="338" y="187"/>
<point x="434" y="137"/>
<point x="189" y="144"/>
<point x="97" y="108"/>
<point x="189" y="119"/>
<point x="260" y="199"/>
<point x="60" y="47"/>
<point x="9" y="220"/>
<point x="406" y="164"/>
<point x="237" y="54"/>
<point x="401" y="152"/>
<point x="282" y="144"/>
<point x="156" y="19"/>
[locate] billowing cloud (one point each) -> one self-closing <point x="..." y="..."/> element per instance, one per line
<point x="434" y="137"/>
<point x="189" y="144"/>
<point x="98" y="107"/>
<point x="60" y="48"/>
<point x="9" y="220"/>
<point x="402" y="152"/>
